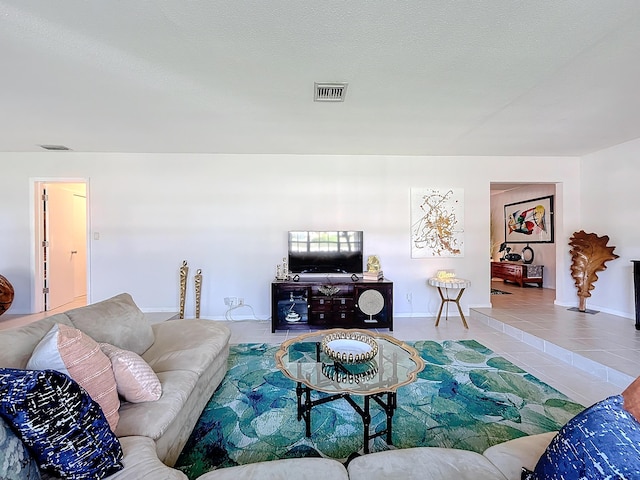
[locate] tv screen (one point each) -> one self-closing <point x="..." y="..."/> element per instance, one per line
<point x="325" y="252"/>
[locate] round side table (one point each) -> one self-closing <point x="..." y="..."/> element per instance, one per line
<point x="450" y="283"/>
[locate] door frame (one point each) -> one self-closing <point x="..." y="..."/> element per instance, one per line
<point x="37" y="236"/>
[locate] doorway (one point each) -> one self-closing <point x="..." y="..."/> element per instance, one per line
<point x="61" y="244"/>
<point x="539" y="254"/>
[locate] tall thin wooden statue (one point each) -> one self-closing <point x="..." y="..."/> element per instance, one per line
<point x="198" y="283"/>
<point x="184" y="271"/>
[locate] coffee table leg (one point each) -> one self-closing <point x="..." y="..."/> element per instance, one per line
<point x="304" y="409"/>
<point x="307" y="410"/>
<point x="391" y="407"/>
<point x="366" y="420"/>
<point x="299" y="395"/>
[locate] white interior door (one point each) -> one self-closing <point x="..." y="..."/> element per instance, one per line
<point x="80" y="245"/>
<point x="61" y="252"/>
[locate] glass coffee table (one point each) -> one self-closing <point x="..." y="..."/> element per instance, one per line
<point x="320" y="361"/>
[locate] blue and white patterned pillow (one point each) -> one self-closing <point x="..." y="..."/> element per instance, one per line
<point x="64" y="429"/>
<point x="601" y="442"/>
<point x="15" y="461"/>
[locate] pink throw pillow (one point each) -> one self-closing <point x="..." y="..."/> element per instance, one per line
<point x="135" y="379"/>
<point x="68" y="350"/>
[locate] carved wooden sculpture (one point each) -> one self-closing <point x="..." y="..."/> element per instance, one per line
<point x="184" y="271"/>
<point x="589" y="253"/>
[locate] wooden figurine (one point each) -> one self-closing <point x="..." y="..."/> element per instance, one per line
<point x="589" y="252"/>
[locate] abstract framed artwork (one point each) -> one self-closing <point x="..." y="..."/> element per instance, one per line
<point x="530" y="221"/>
<point x="437" y="222"/>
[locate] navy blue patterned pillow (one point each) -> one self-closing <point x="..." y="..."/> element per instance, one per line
<point x="602" y="441"/>
<point x="64" y="429"/>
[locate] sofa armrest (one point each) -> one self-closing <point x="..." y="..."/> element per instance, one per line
<point x="141" y="462"/>
<point x="509" y="457"/>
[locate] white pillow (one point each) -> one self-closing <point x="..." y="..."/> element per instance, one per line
<point x="69" y="351"/>
<point x="135" y="379"/>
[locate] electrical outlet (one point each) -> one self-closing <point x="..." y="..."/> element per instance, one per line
<point x="231" y="301"/>
<point x="409" y="297"/>
<point x="240" y="301"/>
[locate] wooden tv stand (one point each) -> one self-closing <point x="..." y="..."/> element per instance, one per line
<point x="517" y="272"/>
<point x="329" y="303"/>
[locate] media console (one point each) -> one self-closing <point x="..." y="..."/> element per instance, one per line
<point x="329" y="303"/>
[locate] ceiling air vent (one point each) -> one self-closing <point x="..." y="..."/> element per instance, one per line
<point x="57" y="148"/>
<point x="330" y="92"/>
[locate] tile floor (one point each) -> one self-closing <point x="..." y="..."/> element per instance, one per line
<point x="587" y="357"/>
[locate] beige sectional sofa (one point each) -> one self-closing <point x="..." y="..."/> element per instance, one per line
<point x="189" y="358"/>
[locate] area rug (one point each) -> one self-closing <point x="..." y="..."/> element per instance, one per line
<point x="495" y="291"/>
<point x="467" y="397"/>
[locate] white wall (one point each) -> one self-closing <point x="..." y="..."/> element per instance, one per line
<point x="229" y="214"/>
<point x="544" y="253"/>
<point x="610" y="201"/>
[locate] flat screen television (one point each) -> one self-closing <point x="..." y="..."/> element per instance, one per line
<point x="327" y="252"/>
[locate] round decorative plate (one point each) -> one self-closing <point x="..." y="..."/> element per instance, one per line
<point x="349" y="347"/>
<point x="371" y="302"/>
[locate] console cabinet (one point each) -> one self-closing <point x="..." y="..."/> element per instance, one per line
<point x="520" y="273"/>
<point x="328" y="304"/>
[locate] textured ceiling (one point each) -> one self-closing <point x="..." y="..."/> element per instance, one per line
<point x="426" y="77"/>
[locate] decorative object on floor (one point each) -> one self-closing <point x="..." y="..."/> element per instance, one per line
<point x="6" y="294"/>
<point x="495" y="291"/>
<point x="467" y="397"/>
<point x="530" y="221"/>
<point x="198" y="286"/>
<point x="527" y="255"/>
<point x="184" y="271"/>
<point x="437" y="222"/>
<point x="589" y="253"/>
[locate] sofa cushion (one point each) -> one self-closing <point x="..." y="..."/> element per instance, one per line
<point x="17" y="344"/>
<point x="186" y="345"/>
<point x="70" y="351"/>
<point x="290" y="468"/>
<point x="135" y="380"/>
<point x="117" y="321"/>
<point x="603" y="441"/>
<point x="511" y="456"/>
<point x="423" y="463"/>
<point x="16" y="463"/>
<point x="64" y="429"/>
<point x="152" y="419"/>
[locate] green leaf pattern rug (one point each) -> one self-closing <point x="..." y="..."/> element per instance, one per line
<point x="466" y="397"/>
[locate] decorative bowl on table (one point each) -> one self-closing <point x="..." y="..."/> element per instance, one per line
<point x="350" y="373"/>
<point x="349" y="347"/>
